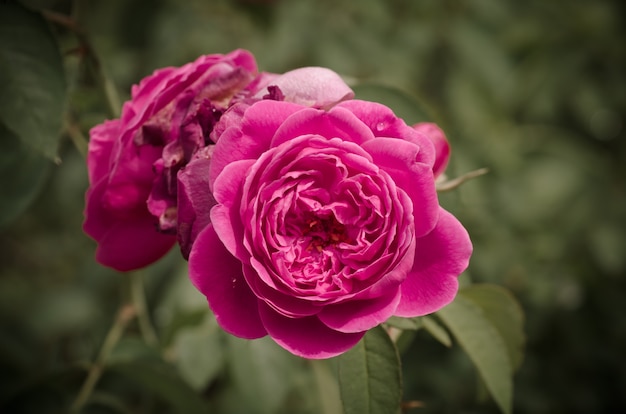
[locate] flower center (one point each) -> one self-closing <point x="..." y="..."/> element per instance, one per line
<point x="323" y="232"/>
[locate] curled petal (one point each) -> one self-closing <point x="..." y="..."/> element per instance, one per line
<point x="440" y="257"/>
<point x="125" y="242"/>
<point x="194" y="202"/>
<point x="306" y="337"/>
<point x="398" y="159"/>
<point x="250" y="136"/>
<point x="360" y="315"/>
<point x="442" y="148"/>
<point x="384" y="123"/>
<point x="218" y="275"/>
<point x="337" y="123"/>
<point x="225" y="216"/>
<point x="100" y="147"/>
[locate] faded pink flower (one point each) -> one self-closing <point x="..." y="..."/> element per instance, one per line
<point x="323" y="224"/>
<point x="133" y="161"/>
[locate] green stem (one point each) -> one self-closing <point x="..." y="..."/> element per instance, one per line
<point x="76" y="135"/>
<point x="91" y="58"/>
<point x="124" y="316"/>
<point x="138" y="298"/>
<point x="456" y="182"/>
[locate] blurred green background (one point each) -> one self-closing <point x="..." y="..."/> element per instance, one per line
<point x="535" y="91"/>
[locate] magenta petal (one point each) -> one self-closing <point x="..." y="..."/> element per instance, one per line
<point x="218" y="275"/>
<point x="126" y="241"/>
<point x="359" y="316"/>
<point x="438" y="138"/>
<point x="311" y="86"/>
<point x="306" y="337"/>
<point x="440" y="257"/>
<point x="397" y="158"/>
<point x="249" y="137"/>
<point x="101" y="141"/>
<point x="225" y="216"/>
<point x="337" y="123"/>
<point x="195" y="201"/>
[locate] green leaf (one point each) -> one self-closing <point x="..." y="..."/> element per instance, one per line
<point x="327" y="387"/>
<point x="262" y="375"/>
<point x="22" y="174"/>
<point x="504" y="313"/>
<point x="198" y="353"/>
<point x="410" y="324"/>
<point x="163" y="381"/>
<point x="370" y="375"/>
<point x="486" y="322"/>
<point x="437" y="331"/>
<point x="32" y="79"/>
<point x="403" y="105"/>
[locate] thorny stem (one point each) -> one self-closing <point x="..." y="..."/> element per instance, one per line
<point x="124" y="316"/>
<point x="76" y="135"/>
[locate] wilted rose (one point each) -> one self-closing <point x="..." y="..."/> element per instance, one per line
<point x="133" y="161"/>
<point x="323" y="224"/>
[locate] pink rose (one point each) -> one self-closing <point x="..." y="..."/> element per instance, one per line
<point x="133" y="161"/>
<point x="324" y="223"/>
<point x="310" y="86"/>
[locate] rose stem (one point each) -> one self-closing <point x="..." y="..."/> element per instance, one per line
<point x="138" y="298"/>
<point x="124" y="315"/>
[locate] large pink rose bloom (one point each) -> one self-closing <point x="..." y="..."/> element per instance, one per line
<point x="326" y="223"/>
<point x="133" y="161"/>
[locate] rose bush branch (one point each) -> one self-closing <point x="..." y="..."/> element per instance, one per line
<point x="124" y="315"/>
<point x="138" y="299"/>
<point x="86" y="51"/>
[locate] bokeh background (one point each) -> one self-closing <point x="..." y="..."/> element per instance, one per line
<point x="534" y="91"/>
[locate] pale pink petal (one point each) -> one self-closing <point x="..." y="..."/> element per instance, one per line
<point x="311" y="86"/>
<point x="438" y="138"/>
<point x="440" y="257"/>
<point x="360" y="315"/>
<point x="218" y="275"/>
<point x="306" y="337"/>
<point x="398" y="159"/>
<point x="337" y="123"/>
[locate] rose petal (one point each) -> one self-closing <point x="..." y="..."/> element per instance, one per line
<point x="251" y="137"/>
<point x="218" y="275"/>
<point x="289" y="306"/>
<point x="102" y="138"/>
<point x="360" y="315"/>
<point x="306" y="337"/>
<point x="398" y="159"/>
<point x="311" y="86"/>
<point x="225" y="216"/>
<point x="439" y="258"/>
<point x="337" y="123"/>
<point x="125" y="242"/>
<point x="438" y="138"/>
<point x="384" y="123"/>
<point x="194" y="202"/>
